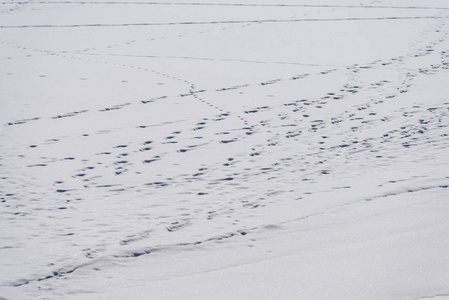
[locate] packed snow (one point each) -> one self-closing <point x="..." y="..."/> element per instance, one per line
<point x="224" y="149"/>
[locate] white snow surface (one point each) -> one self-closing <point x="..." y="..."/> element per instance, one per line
<point x="224" y="149"/>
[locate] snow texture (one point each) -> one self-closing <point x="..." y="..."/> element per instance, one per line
<point x="224" y="149"/>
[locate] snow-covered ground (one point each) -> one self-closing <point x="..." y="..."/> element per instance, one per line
<point x="224" y="149"/>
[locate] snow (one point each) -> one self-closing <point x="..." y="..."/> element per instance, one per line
<point x="226" y="150"/>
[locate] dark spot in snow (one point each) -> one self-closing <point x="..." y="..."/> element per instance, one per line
<point x="147" y="161"/>
<point x="227" y="179"/>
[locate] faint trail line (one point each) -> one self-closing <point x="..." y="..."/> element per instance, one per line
<point x="361" y="200"/>
<point x="214" y="59"/>
<point x="229" y="4"/>
<point x="226" y="59"/>
<point x="216" y="22"/>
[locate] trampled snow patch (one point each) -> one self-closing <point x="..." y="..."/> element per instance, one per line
<point x="234" y="150"/>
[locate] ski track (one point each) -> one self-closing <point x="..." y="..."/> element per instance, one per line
<point x="224" y="4"/>
<point x="115" y="171"/>
<point x="214" y="22"/>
